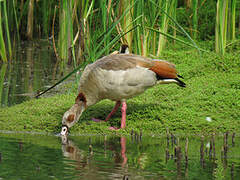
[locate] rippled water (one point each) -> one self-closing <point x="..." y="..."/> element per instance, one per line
<point x="27" y="156"/>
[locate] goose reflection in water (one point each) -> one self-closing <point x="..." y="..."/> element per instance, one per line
<point x="90" y="163"/>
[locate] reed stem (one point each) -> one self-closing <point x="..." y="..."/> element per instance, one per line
<point x="30" y="20"/>
<point x="2" y="43"/>
<point x="221" y="26"/>
<point x="195" y="17"/>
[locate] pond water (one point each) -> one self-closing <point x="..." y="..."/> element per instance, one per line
<point x="28" y="156"/>
<point x="33" y="68"/>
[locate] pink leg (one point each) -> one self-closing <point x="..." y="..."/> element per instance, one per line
<point x="123" y="121"/>
<point x="110" y="114"/>
<point x="113" y="111"/>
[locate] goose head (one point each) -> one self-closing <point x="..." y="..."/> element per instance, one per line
<point x="72" y="116"/>
<point x="124" y="49"/>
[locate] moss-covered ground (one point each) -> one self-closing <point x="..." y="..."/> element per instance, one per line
<point x="212" y="92"/>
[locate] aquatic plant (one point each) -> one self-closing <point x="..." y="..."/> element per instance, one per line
<point x="195" y="18"/>
<point x="225" y="24"/>
<point x="2" y="43"/>
<point x="78" y="25"/>
<point x="30" y="20"/>
<point x="2" y="76"/>
<point x="221" y="26"/>
<point x="169" y="9"/>
<point x="3" y="51"/>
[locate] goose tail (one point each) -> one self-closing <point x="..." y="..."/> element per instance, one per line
<point x="180" y="82"/>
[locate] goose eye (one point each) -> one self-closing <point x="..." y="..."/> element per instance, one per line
<point x="64" y="130"/>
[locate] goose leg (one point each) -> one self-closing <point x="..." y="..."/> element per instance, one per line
<point x="123" y="120"/>
<point x="113" y="110"/>
<point x="124" y="109"/>
<point x="110" y="114"/>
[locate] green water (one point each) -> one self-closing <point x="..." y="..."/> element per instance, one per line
<point x="27" y="156"/>
<point x="33" y="69"/>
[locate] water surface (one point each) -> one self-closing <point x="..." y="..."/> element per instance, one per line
<point x="26" y="156"/>
<point x="33" y="68"/>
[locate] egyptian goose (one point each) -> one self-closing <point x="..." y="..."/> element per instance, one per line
<point x="118" y="77"/>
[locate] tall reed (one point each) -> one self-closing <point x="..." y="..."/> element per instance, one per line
<point x="46" y="15"/>
<point x="127" y="21"/>
<point x="174" y="15"/>
<point x="7" y="31"/>
<point x="178" y="40"/>
<point x="2" y="42"/>
<point x="89" y="19"/>
<point x="7" y="88"/>
<point x="221" y="26"/>
<point x="146" y="14"/>
<point x="16" y="20"/>
<point x="100" y="41"/>
<point x="181" y="29"/>
<point x="2" y="76"/>
<point x="30" y="20"/>
<point x="231" y="20"/>
<point x="195" y="18"/>
<point x="169" y="7"/>
<point x="65" y="31"/>
<point x="138" y="34"/>
<point x="83" y="36"/>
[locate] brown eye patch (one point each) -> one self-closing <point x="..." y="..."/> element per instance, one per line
<point x="70" y="149"/>
<point x="70" y="118"/>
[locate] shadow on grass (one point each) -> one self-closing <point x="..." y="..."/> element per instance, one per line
<point x="102" y="109"/>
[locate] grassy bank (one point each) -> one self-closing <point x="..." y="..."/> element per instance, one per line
<point x="213" y="90"/>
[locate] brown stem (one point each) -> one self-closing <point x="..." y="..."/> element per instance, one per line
<point x="30" y="20"/>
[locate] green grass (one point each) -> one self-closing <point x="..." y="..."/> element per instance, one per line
<point x="213" y="90"/>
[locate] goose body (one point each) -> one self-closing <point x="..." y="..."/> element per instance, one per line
<point x="118" y="77"/>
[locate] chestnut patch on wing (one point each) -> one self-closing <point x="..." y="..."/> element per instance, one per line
<point x="164" y="70"/>
<point x="70" y="118"/>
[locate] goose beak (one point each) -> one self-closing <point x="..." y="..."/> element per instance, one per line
<point x="64" y="130"/>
